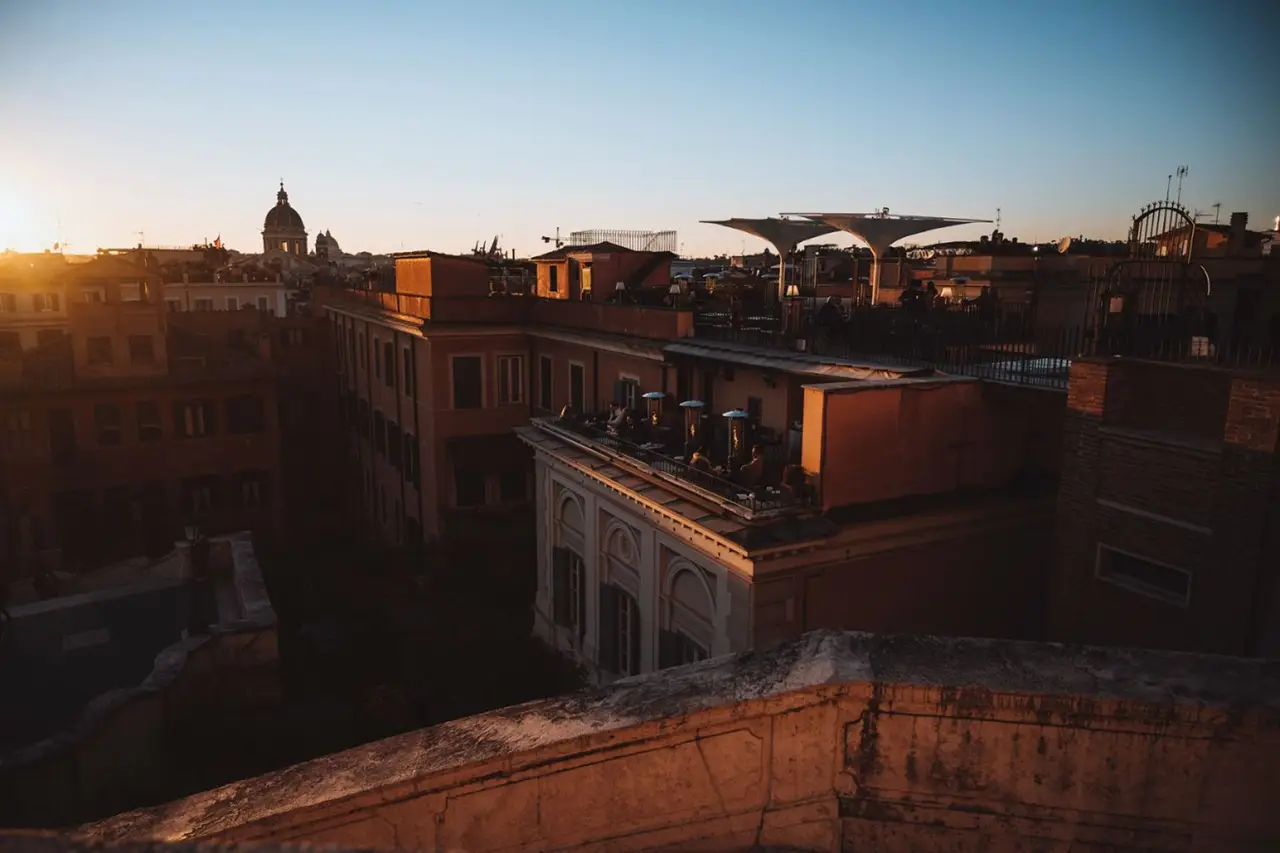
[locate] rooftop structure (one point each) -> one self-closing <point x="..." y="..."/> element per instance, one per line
<point x="97" y="673"/>
<point x="783" y="234"/>
<point x="880" y="230"/>
<point x="831" y="742"/>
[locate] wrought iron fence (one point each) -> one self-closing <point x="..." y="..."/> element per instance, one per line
<point x="1007" y="347"/>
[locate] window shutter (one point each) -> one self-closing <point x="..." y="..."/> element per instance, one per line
<point x="608" y="658"/>
<point x="560" y="604"/>
<point x="668" y="649"/>
<point x="636" y="631"/>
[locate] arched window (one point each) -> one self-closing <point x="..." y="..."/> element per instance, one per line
<point x="690" y="615"/>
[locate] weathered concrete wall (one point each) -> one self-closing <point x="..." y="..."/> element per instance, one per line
<point x="834" y="742"/>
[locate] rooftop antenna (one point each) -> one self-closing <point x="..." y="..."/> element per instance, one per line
<point x="997" y="219"/>
<point x="141" y="238"/>
<point x="1217" y="211"/>
<point x="1182" y="173"/>
<point x="1168" y="189"/>
<point x="559" y="242"/>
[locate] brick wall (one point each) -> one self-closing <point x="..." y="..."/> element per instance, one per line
<point x="1174" y="465"/>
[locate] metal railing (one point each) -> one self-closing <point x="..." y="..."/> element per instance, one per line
<point x="1008" y="347"/>
<point x="755" y="500"/>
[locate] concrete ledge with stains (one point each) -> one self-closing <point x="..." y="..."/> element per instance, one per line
<point x="834" y="741"/>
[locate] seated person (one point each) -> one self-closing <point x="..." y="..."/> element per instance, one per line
<point x="700" y="461"/>
<point x="617" y="417"/>
<point x="752" y="474"/>
<point x="793" y="482"/>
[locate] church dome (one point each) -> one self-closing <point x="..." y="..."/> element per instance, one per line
<point x="282" y="217"/>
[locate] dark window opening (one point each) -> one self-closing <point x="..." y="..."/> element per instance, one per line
<point x="1144" y="577"/>
<point x="468" y="384"/>
<point x="577" y="388"/>
<point x="62" y="434"/>
<point x="99" y="350"/>
<point x="106" y="423"/>
<point x="149" y="428"/>
<point x="193" y="419"/>
<point x="389" y="364"/>
<point x="553" y="278"/>
<point x="379" y="433"/>
<point x="544" y="383"/>
<point x="395" y="444"/>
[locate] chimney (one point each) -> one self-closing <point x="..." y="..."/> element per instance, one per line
<point x="1239" y="221"/>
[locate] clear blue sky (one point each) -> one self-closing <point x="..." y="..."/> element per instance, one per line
<point x="433" y="125"/>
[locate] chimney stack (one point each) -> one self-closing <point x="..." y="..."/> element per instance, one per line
<point x="1239" y="221"/>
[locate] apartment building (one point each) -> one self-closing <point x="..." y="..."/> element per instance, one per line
<point x="918" y="509"/>
<point x="128" y="426"/>
<point x="1169" y="512"/>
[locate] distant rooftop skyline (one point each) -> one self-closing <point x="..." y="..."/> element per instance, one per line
<point x="436" y="125"/>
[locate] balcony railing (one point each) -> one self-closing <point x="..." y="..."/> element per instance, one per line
<point x="748" y="501"/>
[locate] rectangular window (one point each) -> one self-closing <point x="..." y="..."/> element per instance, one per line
<point x="394" y="443"/>
<point x="362" y="409"/>
<point x="468" y="487"/>
<point x="294" y="337"/>
<point x="361" y="351"/>
<point x="233" y="303"/>
<point x="42" y="302"/>
<point x="410" y="378"/>
<point x="468" y="382"/>
<point x="193" y="418"/>
<point x="510" y="379"/>
<point x="379" y="433"/>
<point x="204" y="304"/>
<point x="106" y="423"/>
<point x="99" y="350"/>
<point x="131" y="292"/>
<point x="544" y="383"/>
<point x="141" y="349"/>
<point x="199" y="494"/>
<point x="513" y="485"/>
<point x="410" y="459"/>
<point x="627" y="392"/>
<point x="44" y="337"/>
<point x="264" y="304"/>
<point x="619" y="631"/>
<point x="18" y="439"/>
<point x="174" y="305"/>
<point x="351" y="346"/>
<point x="149" y="428"/>
<point x="8" y="303"/>
<point x="251" y="489"/>
<point x="553" y="274"/>
<point x="377" y="360"/>
<point x="568" y="591"/>
<point x="10" y="344"/>
<point x="1143" y="576"/>
<point x="245" y="414"/>
<point x="389" y="363"/>
<point x="577" y="388"/>
<point x="93" y="295"/>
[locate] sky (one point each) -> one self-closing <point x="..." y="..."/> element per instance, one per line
<point x="433" y="125"/>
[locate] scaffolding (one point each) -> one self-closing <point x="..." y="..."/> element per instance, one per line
<point x="639" y="241"/>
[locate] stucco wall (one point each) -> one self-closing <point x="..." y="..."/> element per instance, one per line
<point x="834" y="742"/>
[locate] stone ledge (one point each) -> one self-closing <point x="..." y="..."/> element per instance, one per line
<point x="964" y="670"/>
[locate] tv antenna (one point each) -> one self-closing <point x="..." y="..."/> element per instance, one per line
<point x="142" y="238"/>
<point x="557" y="239"/>
<point x="1182" y="173"/>
<point x="997" y="219"/>
<point x="1217" y="210"/>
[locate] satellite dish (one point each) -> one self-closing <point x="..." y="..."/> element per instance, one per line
<point x="1063" y="245"/>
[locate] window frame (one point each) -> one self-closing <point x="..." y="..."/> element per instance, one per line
<point x="453" y="388"/>
<point x="515" y="379"/>
<point x="110" y="358"/>
<point x="148" y="431"/>
<point x="113" y="432"/>
<point x="578" y="409"/>
<point x="1136" y="585"/>
<point x="546" y="395"/>
<point x="631" y="382"/>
